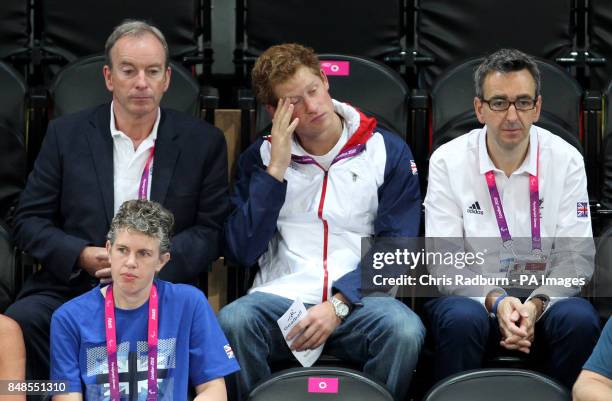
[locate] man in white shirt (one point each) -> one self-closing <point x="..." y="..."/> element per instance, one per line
<point x="92" y="161"/>
<point x="537" y="183"/>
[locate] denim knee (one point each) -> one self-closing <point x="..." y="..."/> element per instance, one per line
<point x="407" y="329"/>
<point x="234" y="318"/>
<point x="400" y="324"/>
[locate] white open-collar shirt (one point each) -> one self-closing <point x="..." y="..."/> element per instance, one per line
<point x="129" y="164"/>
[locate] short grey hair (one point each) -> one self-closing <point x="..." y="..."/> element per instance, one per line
<point x="146" y="217"/>
<point x="505" y="61"/>
<point x="134" y="28"/>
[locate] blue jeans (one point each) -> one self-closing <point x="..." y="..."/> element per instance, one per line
<point x="463" y="331"/>
<point x="383" y="335"/>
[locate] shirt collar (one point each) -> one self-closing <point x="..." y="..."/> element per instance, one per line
<point x="117" y="133"/>
<point x="529" y="165"/>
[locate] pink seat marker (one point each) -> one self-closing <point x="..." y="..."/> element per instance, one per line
<point x="323" y="385"/>
<point x="336" y="67"/>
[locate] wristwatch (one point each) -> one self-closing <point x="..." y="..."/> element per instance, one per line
<point x="341" y="309"/>
<point x="545" y="301"/>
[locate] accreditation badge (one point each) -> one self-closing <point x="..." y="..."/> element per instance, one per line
<point x="527" y="271"/>
<point x="506" y="260"/>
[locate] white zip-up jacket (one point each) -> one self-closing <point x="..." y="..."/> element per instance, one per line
<point x="305" y="233"/>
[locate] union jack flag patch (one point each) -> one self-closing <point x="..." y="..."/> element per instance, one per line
<point x="228" y="351"/>
<point x="582" y="209"/>
<point x="413" y="167"/>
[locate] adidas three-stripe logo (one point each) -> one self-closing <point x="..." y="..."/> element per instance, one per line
<point x="475" y="208"/>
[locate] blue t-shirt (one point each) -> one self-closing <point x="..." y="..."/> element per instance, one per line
<point x="192" y="349"/>
<point x="601" y="358"/>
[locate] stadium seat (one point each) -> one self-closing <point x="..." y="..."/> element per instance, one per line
<point x="319" y="384"/>
<point x="599" y="24"/>
<point x="362" y="28"/>
<point x="81" y="85"/>
<point x="492" y="384"/>
<point x="13" y="159"/>
<point x="15" y="32"/>
<point x="605" y="156"/>
<point x="371" y="86"/>
<point x="452" y="99"/>
<point x="7" y="267"/>
<point x="452" y="31"/>
<point x="66" y="30"/>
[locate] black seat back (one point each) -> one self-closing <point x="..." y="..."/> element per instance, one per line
<point x="453" y="94"/>
<point x="73" y="28"/>
<point x="374" y="28"/>
<point x="606" y="151"/>
<point x="7" y="267"/>
<point x="13" y="159"/>
<point x="368" y="85"/>
<point x="363" y="28"/>
<point x="490" y="384"/>
<point x="80" y="85"/>
<point x="319" y="383"/>
<point x="372" y="87"/>
<point x="600" y="41"/>
<point x="452" y="31"/>
<point x="14" y="27"/>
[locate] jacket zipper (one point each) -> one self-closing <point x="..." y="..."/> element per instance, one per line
<point x="325" y="234"/>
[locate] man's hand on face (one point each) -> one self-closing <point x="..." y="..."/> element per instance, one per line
<point x="510" y="315"/>
<point x="315" y="328"/>
<point x="282" y="136"/>
<point x="94" y="260"/>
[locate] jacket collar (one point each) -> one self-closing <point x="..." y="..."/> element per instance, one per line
<point x="101" y="144"/>
<point x="360" y="129"/>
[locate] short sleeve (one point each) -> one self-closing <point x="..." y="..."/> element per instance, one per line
<point x="65" y="340"/>
<point x="210" y="355"/>
<point x="601" y="358"/>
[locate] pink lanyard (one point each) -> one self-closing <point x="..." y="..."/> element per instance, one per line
<point x="534" y="209"/>
<point x="111" y="344"/>
<point x="143" y="188"/>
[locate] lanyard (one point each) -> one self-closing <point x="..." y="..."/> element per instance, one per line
<point x="143" y="188"/>
<point x="534" y="209"/>
<point x="111" y="344"/>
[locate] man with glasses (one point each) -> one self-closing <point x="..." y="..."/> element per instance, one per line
<point x="524" y="189"/>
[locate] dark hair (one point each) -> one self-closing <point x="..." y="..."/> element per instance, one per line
<point x="146" y="217"/>
<point x="278" y="64"/>
<point x="505" y="61"/>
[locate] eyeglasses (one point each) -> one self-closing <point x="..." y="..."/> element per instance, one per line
<point x="501" y="104"/>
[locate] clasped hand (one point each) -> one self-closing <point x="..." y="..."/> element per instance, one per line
<point x="517" y="323"/>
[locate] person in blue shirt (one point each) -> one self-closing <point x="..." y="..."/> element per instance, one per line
<point x="595" y="380"/>
<point x="157" y="337"/>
